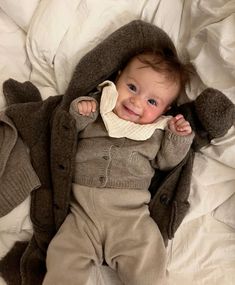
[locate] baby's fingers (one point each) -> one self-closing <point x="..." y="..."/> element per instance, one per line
<point x="182" y="126"/>
<point x="179" y="125"/>
<point x="85" y="108"/>
<point x="93" y="106"/>
<point x="184" y="130"/>
<point x="82" y="107"/>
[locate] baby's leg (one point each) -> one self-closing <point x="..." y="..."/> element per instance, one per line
<point x="72" y="253"/>
<point x="134" y="246"/>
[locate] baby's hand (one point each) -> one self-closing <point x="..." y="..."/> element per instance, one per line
<point x="179" y="125"/>
<point x="86" y="107"/>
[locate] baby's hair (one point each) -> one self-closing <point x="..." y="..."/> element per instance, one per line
<point x="168" y="62"/>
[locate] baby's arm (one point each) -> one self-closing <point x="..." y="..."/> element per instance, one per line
<point x="176" y="142"/>
<point x="84" y="110"/>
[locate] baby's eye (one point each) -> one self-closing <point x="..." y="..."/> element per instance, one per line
<point x="132" y="87"/>
<point x="152" y="102"/>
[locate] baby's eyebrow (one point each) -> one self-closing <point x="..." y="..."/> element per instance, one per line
<point x="129" y="77"/>
<point x="153" y="96"/>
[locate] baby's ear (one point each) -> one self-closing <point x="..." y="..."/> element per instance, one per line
<point x="215" y="112"/>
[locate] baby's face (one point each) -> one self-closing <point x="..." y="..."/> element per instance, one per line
<point x="144" y="94"/>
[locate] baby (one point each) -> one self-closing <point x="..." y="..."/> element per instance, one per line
<point x="122" y="137"/>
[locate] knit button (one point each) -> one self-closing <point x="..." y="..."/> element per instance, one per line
<point x="61" y="166"/>
<point x="101" y="179"/>
<point x="56" y="206"/>
<point x="65" y="127"/>
<point x="164" y="199"/>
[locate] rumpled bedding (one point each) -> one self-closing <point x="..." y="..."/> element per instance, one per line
<point x="42" y="41"/>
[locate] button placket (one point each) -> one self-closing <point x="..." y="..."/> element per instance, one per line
<point x="103" y="177"/>
<point x="64" y="136"/>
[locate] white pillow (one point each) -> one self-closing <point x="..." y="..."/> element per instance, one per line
<point x="20" y="11"/>
<point x="225" y="213"/>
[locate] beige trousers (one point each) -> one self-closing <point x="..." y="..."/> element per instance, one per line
<point x="112" y="225"/>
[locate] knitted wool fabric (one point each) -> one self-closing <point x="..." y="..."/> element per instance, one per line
<point x="215" y="112"/>
<point x="17" y="177"/>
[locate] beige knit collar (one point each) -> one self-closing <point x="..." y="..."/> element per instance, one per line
<point x="119" y="128"/>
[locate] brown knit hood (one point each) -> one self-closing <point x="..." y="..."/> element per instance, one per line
<point x="112" y="53"/>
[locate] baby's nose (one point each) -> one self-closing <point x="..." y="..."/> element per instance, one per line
<point x="135" y="101"/>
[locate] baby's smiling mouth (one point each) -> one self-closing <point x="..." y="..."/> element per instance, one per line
<point x="129" y="111"/>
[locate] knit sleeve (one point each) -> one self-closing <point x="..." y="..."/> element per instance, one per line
<point x="172" y="151"/>
<point x="81" y="120"/>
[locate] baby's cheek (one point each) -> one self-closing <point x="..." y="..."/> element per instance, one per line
<point x="154" y="115"/>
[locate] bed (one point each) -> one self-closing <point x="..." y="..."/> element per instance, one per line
<point x="42" y="41"/>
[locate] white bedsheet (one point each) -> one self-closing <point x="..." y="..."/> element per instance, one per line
<point x="42" y="41"/>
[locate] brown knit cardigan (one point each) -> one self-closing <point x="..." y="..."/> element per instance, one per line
<point x="49" y="131"/>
